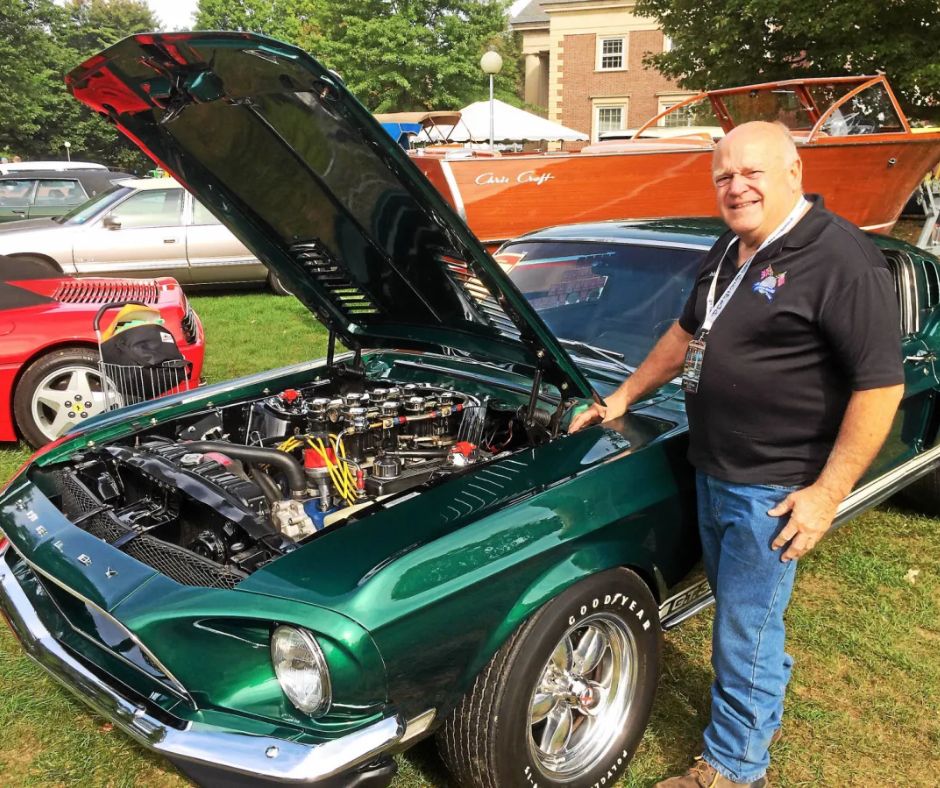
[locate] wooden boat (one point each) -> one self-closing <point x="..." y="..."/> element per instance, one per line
<point x="857" y="147"/>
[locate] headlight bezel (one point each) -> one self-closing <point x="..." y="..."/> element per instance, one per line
<point x="317" y="661"/>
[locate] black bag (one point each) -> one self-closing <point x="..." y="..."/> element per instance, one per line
<point x="145" y="362"/>
<point x="145" y="345"/>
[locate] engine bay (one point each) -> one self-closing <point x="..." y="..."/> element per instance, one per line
<point x="210" y="498"/>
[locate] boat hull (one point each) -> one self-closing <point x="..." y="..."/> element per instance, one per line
<point x="865" y="179"/>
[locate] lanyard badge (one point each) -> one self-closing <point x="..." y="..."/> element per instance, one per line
<point x="692" y="368"/>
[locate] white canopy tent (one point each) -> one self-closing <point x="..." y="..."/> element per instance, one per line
<point x="511" y="124"/>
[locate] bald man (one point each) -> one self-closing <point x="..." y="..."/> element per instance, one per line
<point x="789" y="351"/>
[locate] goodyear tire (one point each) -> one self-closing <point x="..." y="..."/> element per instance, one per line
<point x="566" y="700"/>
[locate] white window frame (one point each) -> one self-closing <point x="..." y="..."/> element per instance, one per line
<point x="624" y="43"/>
<point x="602" y="104"/>
<point x="670" y="101"/>
<point x="667" y="43"/>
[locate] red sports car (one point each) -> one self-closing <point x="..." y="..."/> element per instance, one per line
<point x="49" y="372"/>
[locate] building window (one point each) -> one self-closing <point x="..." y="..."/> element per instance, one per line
<point x="608" y="118"/>
<point x="667" y="44"/>
<point x="612" y="54"/>
<point x="684" y="116"/>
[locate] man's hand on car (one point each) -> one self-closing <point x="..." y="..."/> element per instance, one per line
<point x="592" y="414"/>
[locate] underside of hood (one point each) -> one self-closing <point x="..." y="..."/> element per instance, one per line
<point x="276" y="147"/>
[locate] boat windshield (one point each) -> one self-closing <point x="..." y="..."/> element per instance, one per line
<point x="615" y="296"/>
<point x="780" y="104"/>
<point x="869" y="112"/>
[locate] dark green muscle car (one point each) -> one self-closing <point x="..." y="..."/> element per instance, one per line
<point x="292" y="577"/>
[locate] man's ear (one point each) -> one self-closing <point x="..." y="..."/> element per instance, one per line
<point x="795" y="174"/>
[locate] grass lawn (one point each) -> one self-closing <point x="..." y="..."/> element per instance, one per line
<point x="863" y="707"/>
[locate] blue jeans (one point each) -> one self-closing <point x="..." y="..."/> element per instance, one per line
<point x="752" y="588"/>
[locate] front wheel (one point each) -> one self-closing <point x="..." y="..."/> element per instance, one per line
<point x="566" y="700"/>
<point x="56" y="392"/>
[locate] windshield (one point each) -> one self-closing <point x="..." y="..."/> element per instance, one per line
<point x="618" y="297"/>
<point x="88" y="210"/>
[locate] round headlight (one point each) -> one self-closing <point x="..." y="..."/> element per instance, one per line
<point x="301" y="669"/>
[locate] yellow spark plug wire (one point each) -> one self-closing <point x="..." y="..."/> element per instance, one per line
<point x="338" y="481"/>
<point x="340" y="451"/>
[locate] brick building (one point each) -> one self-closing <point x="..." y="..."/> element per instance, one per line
<point x="584" y="64"/>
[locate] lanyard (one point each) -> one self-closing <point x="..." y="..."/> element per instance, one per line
<point x="713" y="310"/>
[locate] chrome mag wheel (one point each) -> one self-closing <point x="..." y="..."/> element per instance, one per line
<point x="583" y="696"/>
<point x="65" y="397"/>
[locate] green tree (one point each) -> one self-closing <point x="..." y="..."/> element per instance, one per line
<point x="39" y="43"/>
<point x="29" y="65"/>
<point x="281" y="19"/>
<point x="717" y="45"/>
<point x="87" y="27"/>
<point x="394" y="55"/>
<point x="91" y="25"/>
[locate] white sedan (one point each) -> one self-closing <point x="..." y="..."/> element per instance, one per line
<point x="140" y="228"/>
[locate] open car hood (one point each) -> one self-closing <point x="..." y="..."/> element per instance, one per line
<point x="276" y="147"/>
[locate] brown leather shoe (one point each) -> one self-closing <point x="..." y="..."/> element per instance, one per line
<point x="704" y="775"/>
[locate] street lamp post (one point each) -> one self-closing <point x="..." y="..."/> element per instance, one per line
<point x="68" y="150"/>
<point x="491" y="63"/>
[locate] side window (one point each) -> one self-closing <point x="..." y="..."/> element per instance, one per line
<point x="201" y="214"/>
<point x="16" y="193"/>
<point x="931" y="283"/>
<point x="59" y="192"/>
<point x="151" y="208"/>
<point x="905" y="287"/>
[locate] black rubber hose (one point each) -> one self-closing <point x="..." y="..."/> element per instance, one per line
<point x="291" y="468"/>
<point x="268" y="486"/>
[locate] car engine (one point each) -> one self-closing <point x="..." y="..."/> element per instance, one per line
<point x="234" y="488"/>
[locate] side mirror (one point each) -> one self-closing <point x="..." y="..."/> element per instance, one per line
<point x="112" y="222"/>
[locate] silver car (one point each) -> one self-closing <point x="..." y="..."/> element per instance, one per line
<point x="140" y="228"/>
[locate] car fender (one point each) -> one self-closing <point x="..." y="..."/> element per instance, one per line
<point x="589" y="560"/>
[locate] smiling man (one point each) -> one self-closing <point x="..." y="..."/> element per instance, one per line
<point x="789" y="350"/>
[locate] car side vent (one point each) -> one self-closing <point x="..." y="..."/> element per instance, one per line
<point x="494" y="314"/>
<point x="491" y="486"/>
<point x="351" y="299"/>
<point x="81" y="291"/>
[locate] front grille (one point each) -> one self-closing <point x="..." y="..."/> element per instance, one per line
<point x="93" y="636"/>
<point x="79" y="291"/>
<point x="177" y="563"/>
<point x="180" y="564"/>
<point x="189" y="326"/>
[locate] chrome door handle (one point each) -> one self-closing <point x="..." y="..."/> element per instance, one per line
<point x="921" y="357"/>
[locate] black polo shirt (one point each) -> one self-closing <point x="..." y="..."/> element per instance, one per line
<point x="814" y="319"/>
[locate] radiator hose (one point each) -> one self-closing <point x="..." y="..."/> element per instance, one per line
<point x="292" y="469"/>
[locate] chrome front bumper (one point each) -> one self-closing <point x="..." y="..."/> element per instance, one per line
<point x="278" y="760"/>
